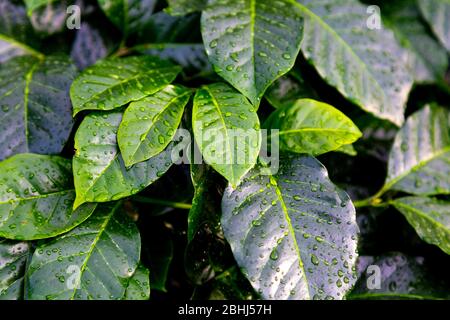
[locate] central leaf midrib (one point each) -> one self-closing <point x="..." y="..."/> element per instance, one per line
<point x="28" y="78"/>
<point x="45" y="195"/>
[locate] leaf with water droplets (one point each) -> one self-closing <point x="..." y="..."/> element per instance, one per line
<point x="13" y="259"/>
<point x="398" y="276"/>
<point x="226" y="129"/>
<point x="367" y="66"/>
<point x="252" y="43"/>
<point x="128" y="15"/>
<point x="113" y="82"/>
<point x="429" y="217"/>
<point x="16" y="33"/>
<point x="150" y="124"/>
<point x="419" y="162"/>
<point x="36" y="197"/>
<point x="437" y="14"/>
<point x="183" y="7"/>
<point x="35" y="109"/>
<point x="310" y="126"/>
<point x="100" y="174"/>
<point x="293" y="232"/>
<point x="139" y="285"/>
<point x="93" y="261"/>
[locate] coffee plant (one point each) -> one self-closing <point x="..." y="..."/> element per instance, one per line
<point x="224" y="149"/>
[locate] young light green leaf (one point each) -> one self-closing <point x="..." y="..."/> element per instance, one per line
<point x="183" y="7"/>
<point x="252" y="43"/>
<point x="226" y="129"/>
<point x="16" y="33"/>
<point x="293" y="233"/>
<point x="150" y="124"/>
<point x="36" y="197"/>
<point x="429" y="58"/>
<point x="93" y="261"/>
<point x="128" y="15"/>
<point x="13" y="258"/>
<point x="100" y="174"/>
<point x="419" y="162"/>
<point x="35" y="112"/>
<point x="310" y="126"/>
<point x="367" y="66"/>
<point x="437" y="14"/>
<point x="429" y="217"/>
<point x="113" y="82"/>
<point x="139" y="285"/>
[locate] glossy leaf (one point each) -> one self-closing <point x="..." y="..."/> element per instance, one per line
<point x="113" y="82"/>
<point x="182" y="7"/>
<point x="100" y="174"/>
<point x="128" y="15"/>
<point x="226" y="129"/>
<point x="401" y="277"/>
<point x="13" y="259"/>
<point x="429" y="58"/>
<point x="429" y="217"/>
<point x="437" y="14"/>
<point x="93" y="261"/>
<point x="139" y="285"/>
<point x="419" y="159"/>
<point x="150" y="124"/>
<point x="35" y="106"/>
<point x="16" y="33"/>
<point x="36" y="197"/>
<point x="310" y="126"/>
<point x="367" y="66"/>
<point x="252" y="43"/>
<point x="293" y="233"/>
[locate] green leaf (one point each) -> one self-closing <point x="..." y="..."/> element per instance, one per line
<point x="419" y="162"/>
<point x="33" y="5"/>
<point x="183" y="7"/>
<point x="293" y="233"/>
<point x="288" y="89"/>
<point x="139" y="285"/>
<point x="36" y="197"/>
<point x="16" y="33"/>
<point x="402" y="277"/>
<point x="429" y="58"/>
<point x="367" y="66"/>
<point x="100" y="174"/>
<point x="113" y="82"/>
<point x="48" y="16"/>
<point x="35" y="110"/>
<point x="128" y="15"/>
<point x="310" y="126"/>
<point x="437" y="14"/>
<point x="252" y="43"/>
<point x="150" y="124"/>
<point x="13" y="258"/>
<point x="429" y="217"/>
<point x="226" y="129"/>
<point x="93" y="261"/>
<point x="347" y="149"/>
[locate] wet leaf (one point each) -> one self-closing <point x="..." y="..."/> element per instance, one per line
<point x="139" y="285"/>
<point x="182" y="7"/>
<point x="437" y="14"/>
<point x="293" y="233"/>
<point x="13" y="259"/>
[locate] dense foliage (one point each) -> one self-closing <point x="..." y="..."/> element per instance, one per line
<point x="200" y="149"/>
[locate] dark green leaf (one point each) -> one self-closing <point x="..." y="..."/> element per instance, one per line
<point x="13" y="258"/>
<point x="226" y="129"/>
<point x="36" y="197"/>
<point x="293" y="233"/>
<point x="429" y="217"/>
<point x="113" y="82"/>
<point x="252" y="43"/>
<point x="35" y="109"/>
<point x="99" y="171"/>
<point x="309" y="126"/>
<point x="182" y="7"/>
<point x="437" y="14"/>
<point x="419" y="162"/>
<point x="139" y="285"/>
<point x="150" y="124"/>
<point x="93" y="261"/>
<point x="367" y="66"/>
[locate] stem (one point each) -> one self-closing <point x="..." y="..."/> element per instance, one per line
<point x="373" y="201"/>
<point x="173" y="204"/>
